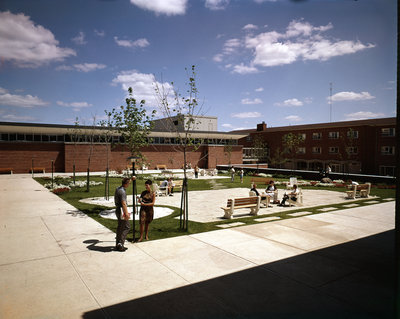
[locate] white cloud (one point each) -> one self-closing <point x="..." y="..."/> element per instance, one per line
<point x="300" y="41"/>
<point x="79" y="39"/>
<point x="243" y="69"/>
<point x="167" y="7"/>
<point x="231" y="46"/>
<point x="245" y="115"/>
<point x="26" y="101"/>
<point x="293" y="118"/>
<point x="250" y="27"/>
<point x="83" y="67"/>
<point x="362" y="116"/>
<point x="260" y="89"/>
<point x="216" y="4"/>
<point x="226" y="125"/>
<point x="261" y="1"/>
<point x="27" y="44"/>
<point x="250" y="101"/>
<point x="139" y="43"/>
<point x="351" y="96"/>
<point x="100" y="33"/>
<point x="142" y="85"/>
<point x="88" y="67"/>
<point x="218" y="57"/>
<point x="290" y="102"/>
<point x="76" y="106"/>
<point x="19" y="118"/>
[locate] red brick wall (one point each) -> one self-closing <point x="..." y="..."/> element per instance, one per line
<point x="18" y="156"/>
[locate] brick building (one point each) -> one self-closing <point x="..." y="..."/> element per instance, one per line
<point x="363" y="146"/>
<point x="22" y="144"/>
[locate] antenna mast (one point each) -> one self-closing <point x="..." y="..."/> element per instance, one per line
<point x="330" y="102"/>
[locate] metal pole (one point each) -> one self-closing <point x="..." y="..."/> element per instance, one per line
<point x="32" y="168"/>
<point x="52" y="174"/>
<point x="133" y="200"/>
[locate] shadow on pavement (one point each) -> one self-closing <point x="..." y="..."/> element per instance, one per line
<point x="93" y="246"/>
<point x="351" y="280"/>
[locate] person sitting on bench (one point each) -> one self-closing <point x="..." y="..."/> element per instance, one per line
<point x="293" y="195"/>
<point x="254" y="189"/>
<point x="272" y="191"/>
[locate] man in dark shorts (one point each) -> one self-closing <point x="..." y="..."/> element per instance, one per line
<point x="122" y="213"/>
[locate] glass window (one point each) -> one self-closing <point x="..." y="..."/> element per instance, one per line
<point x="333" y="135"/>
<point x="333" y="150"/>
<point x="352" y="134"/>
<point x="301" y="150"/>
<point x="387" y="150"/>
<point x="390" y="131"/>
<point x="37" y="137"/>
<point x="4" y="136"/>
<point x="316" y="136"/>
<point x="316" y="150"/>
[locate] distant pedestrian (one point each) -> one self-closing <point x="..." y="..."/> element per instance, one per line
<point x="122" y="213"/>
<point x="196" y="171"/>
<point x="241" y="173"/>
<point x="232" y="174"/>
<point x="146" y="200"/>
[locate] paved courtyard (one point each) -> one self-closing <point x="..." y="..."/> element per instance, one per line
<point x="57" y="263"/>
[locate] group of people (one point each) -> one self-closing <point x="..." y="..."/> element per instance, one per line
<point x="169" y="185"/>
<point x="146" y="200"/>
<point x="241" y="174"/>
<point x="272" y="192"/>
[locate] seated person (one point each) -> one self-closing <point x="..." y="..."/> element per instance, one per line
<point x="171" y="185"/>
<point x="293" y="195"/>
<point x="254" y="189"/>
<point x="164" y="186"/>
<point x="272" y="191"/>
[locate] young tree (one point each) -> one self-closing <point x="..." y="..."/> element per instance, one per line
<point x="91" y="139"/>
<point x="259" y="149"/>
<point x="228" y="151"/>
<point x="75" y="136"/>
<point x="134" y="124"/>
<point x="106" y="136"/>
<point x="180" y="112"/>
<point x="290" y="142"/>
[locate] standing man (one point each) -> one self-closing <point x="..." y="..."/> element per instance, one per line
<point x="122" y="213"/>
<point x="232" y="174"/>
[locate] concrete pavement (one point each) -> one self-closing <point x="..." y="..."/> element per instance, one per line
<point x="57" y="263"/>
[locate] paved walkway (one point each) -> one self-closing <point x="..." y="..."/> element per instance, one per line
<point x="58" y="263"/>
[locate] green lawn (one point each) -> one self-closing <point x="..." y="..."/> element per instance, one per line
<point x="169" y="226"/>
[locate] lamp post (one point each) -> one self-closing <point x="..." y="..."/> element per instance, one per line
<point x="32" y="168"/>
<point x="133" y="161"/>
<point x="52" y="174"/>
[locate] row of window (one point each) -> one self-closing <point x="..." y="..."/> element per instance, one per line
<point x="13" y="137"/>
<point x="352" y="150"/>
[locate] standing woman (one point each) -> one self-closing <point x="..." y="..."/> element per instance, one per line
<point x="146" y="200"/>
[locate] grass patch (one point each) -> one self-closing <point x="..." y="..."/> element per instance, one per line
<point x="168" y="226"/>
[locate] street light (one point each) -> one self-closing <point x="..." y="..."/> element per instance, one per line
<point x="133" y="160"/>
<point x="52" y="174"/>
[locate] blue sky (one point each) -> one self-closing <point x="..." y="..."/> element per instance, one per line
<point x="256" y="60"/>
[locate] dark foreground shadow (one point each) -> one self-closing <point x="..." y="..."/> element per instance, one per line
<point x="93" y="245"/>
<point x="352" y="280"/>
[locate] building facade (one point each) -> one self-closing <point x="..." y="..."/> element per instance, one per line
<point x="25" y="145"/>
<point x="364" y="146"/>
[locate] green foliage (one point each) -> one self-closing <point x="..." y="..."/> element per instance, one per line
<point x="133" y="123"/>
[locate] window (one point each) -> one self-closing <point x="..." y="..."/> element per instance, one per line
<point x="248" y="138"/>
<point x="303" y="136"/>
<point x="301" y="150"/>
<point x="316" y="136"/>
<point x="4" y="137"/>
<point x="352" y="150"/>
<point x="352" y="134"/>
<point x="391" y="131"/>
<point x="387" y="170"/>
<point x="387" y="150"/>
<point x="333" y="135"/>
<point x="316" y="150"/>
<point x="333" y="150"/>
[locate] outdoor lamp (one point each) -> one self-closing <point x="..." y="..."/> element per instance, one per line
<point x="133" y="161"/>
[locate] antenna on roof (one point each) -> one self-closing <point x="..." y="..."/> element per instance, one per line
<point x="330" y="102"/>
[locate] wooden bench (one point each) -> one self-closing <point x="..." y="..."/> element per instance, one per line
<point x="37" y="170"/>
<point x="252" y="202"/>
<point x="178" y="184"/>
<point x="161" y="167"/>
<point x="261" y="180"/>
<point x="6" y="170"/>
<point x="361" y="190"/>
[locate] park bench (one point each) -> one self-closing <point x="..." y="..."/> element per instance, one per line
<point x="361" y="190"/>
<point x="161" y="167"/>
<point x="6" y="170"/>
<point x="178" y="184"/>
<point x="261" y="180"/>
<point x="252" y="202"/>
<point x="37" y="170"/>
